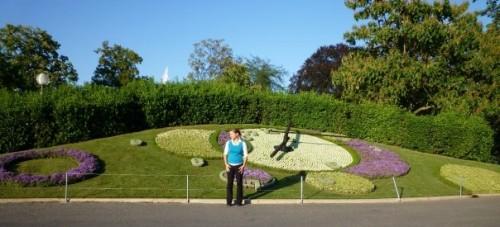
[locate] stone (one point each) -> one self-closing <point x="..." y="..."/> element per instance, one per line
<point x="197" y="162"/>
<point x="136" y="142"/>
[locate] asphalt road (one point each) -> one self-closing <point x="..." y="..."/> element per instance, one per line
<point x="464" y="212"/>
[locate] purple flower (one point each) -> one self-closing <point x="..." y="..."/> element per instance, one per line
<point x="255" y="174"/>
<point x="223" y="138"/>
<point x="376" y="162"/>
<point x="88" y="164"/>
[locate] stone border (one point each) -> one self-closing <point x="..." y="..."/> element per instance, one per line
<point x="253" y="201"/>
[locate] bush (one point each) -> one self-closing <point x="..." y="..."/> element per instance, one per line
<point x="71" y="114"/>
<point x="66" y="115"/>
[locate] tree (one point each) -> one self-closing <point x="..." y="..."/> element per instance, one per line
<point x="117" y="65"/>
<point x="26" y="51"/>
<point x="425" y="57"/>
<point x="235" y="72"/>
<point x="314" y="75"/>
<point x="416" y="54"/>
<point x="264" y="75"/>
<point x="209" y="58"/>
<point x="493" y="11"/>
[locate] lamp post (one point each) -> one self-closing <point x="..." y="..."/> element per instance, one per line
<point x="42" y="79"/>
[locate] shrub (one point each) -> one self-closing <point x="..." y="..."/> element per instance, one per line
<point x="71" y="114"/>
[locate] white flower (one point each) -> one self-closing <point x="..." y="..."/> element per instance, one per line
<point x="188" y="142"/>
<point x="310" y="152"/>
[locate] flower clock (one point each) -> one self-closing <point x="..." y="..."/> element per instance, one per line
<point x="88" y="164"/>
<point x="310" y="153"/>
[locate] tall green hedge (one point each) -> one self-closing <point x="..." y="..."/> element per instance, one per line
<point x="70" y="114"/>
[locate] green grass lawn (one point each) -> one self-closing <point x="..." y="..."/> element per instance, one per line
<point x="170" y="172"/>
<point x="45" y="166"/>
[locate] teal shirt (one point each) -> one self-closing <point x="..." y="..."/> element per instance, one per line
<point x="236" y="152"/>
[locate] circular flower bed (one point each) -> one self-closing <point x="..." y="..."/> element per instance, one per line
<point x="341" y="183"/>
<point x="253" y="178"/>
<point x="188" y="142"/>
<point x="88" y="164"/>
<point x="472" y="178"/>
<point x="310" y="152"/>
<point x="376" y="162"/>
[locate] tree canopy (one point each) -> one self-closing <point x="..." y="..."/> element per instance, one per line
<point x="315" y="73"/>
<point x="25" y="52"/>
<point x="209" y="58"/>
<point x="422" y="56"/>
<point x="213" y="59"/>
<point x="117" y="65"/>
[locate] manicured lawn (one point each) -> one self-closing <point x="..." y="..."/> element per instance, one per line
<point x="45" y="166"/>
<point x="119" y="157"/>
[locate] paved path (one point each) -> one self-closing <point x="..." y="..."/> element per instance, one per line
<point x="483" y="211"/>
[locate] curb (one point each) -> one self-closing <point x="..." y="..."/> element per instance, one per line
<point x="254" y="201"/>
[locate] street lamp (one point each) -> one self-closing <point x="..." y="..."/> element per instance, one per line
<point x="42" y="79"/>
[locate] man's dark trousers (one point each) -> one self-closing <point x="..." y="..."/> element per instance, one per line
<point x="234" y="171"/>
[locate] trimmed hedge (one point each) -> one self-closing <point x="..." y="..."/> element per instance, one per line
<point x="71" y="114"/>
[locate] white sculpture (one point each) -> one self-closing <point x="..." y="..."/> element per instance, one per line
<point x="164" y="78"/>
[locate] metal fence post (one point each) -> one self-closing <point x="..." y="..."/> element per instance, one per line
<point x="396" y="187"/>
<point x="66" y="187"/>
<point x="461" y="185"/>
<point x="301" y="190"/>
<point x="187" y="188"/>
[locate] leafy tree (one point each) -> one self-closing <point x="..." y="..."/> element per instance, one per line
<point x="264" y="75"/>
<point x="314" y="75"/>
<point x="416" y="54"/>
<point x="426" y="57"/>
<point x="493" y="11"/>
<point x="26" y="51"/>
<point x="117" y="65"/>
<point x="209" y="58"/>
<point x="235" y="72"/>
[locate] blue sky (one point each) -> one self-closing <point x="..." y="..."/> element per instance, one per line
<point x="163" y="32"/>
